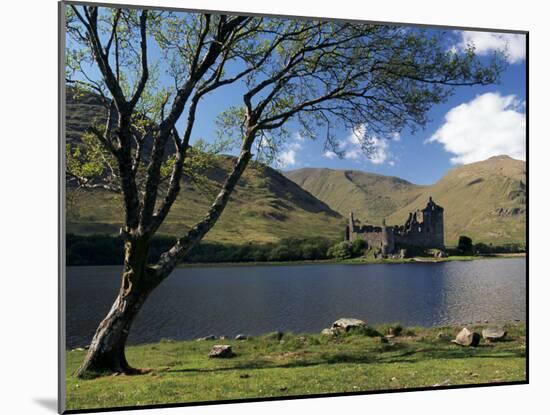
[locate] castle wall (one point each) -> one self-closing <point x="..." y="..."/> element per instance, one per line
<point x="376" y="238"/>
<point x="424" y="228"/>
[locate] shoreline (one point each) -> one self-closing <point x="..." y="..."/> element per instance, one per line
<point x="378" y="326"/>
<point x="352" y="261"/>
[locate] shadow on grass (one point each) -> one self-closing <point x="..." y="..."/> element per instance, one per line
<point x="370" y="358"/>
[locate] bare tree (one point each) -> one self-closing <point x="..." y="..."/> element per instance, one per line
<point x="319" y="74"/>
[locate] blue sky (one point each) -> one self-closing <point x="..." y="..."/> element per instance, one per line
<point x="474" y="124"/>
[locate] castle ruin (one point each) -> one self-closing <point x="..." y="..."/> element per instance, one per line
<point x="423" y="228"/>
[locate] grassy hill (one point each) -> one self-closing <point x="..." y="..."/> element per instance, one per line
<point x="265" y="207"/>
<point x="370" y="196"/>
<point x="484" y="200"/>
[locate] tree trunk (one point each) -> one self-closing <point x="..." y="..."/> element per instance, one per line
<point x="107" y="349"/>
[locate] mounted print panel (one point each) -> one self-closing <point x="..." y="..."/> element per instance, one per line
<point x="258" y="207"/>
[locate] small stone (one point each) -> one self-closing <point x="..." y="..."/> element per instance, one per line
<point x="241" y="337"/>
<point x="467" y="338"/>
<point x="327" y="332"/>
<point x="210" y="337"/>
<point x="446" y="382"/>
<point x="222" y="351"/>
<point x="393" y="379"/>
<point x="493" y="334"/>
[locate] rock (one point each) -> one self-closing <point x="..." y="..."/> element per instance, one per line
<point x="210" y="337"/>
<point x="403" y="254"/>
<point x="221" y="351"/>
<point x="467" y="338"/>
<point x="241" y="337"/>
<point x="346" y="324"/>
<point x="493" y="334"/>
<point x="327" y="332"/>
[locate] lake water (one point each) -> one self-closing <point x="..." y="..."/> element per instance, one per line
<point x="196" y="302"/>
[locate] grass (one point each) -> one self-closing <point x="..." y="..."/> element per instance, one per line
<point x="299" y="365"/>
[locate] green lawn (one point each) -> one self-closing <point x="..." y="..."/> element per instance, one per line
<point x="298" y="365"/>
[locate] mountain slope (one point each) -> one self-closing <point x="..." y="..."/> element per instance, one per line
<point x="484" y="200"/>
<point x="371" y="197"/>
<point x="264" y="207"/>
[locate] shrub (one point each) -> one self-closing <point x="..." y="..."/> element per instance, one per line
<point x="341" y="250"/>
<point x="465" y="246"/>
<point x="358" y="247"/>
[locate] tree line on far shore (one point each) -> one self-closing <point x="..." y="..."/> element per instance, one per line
<point x="107" y="250"/>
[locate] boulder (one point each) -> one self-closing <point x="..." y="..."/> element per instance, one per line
<point x="346" y="324"/>
<point x="493" y="334"/>
<point x="221" y="351"/>
<point x="438" y="253"/>
<point x="467" y="338"/>
<point x="327" y="332"/>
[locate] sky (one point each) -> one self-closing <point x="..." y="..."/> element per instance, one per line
<point x="475" y="123"/>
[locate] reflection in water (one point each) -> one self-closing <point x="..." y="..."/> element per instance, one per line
<point x="225" y="301"/>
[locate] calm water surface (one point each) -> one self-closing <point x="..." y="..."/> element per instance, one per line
<point x="196" y="302"/>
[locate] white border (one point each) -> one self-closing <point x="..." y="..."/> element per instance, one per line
<point x="28" y="159"/>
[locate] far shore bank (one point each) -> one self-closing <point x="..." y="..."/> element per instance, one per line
<point x="354" y="261"/>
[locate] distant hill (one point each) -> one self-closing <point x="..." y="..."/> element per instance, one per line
<point x="484" y="200"/>
<point x="264" y="207"/>
<point x="82" y="110"/>
<point x="372" y="197"/>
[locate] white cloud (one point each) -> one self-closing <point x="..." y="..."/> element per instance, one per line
<point x="486" y="42"/>
<point x="489" y="125"/>
<point x="330" y="154"/>
<point x="288" y="157"/>
<point x="299" y="137"/>
<point x="378" y="147"/>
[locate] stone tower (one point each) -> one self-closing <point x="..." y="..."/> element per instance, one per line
<point x="433" y="224"/>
